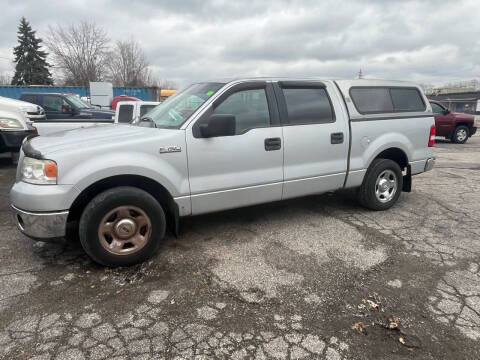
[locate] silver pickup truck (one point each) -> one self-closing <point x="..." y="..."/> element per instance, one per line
<point x="217" y="146"/>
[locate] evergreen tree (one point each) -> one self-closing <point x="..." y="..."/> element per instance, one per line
<point x="31" y="65"/>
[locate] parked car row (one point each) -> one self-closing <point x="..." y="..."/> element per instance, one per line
<point x="46" y="113"/>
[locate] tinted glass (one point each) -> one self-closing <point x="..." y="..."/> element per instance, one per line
<point x="174" y="111"/>
<point x="436" y="109"/>
<point x="125" y="114"/>
<point x="53" y="103"/>
<point x="308" y="106"/>
<point x="372" y="100"/>
<point x="250" y="108"/>
<point x="145" y="109"/>
<point x="77" y="102"/>
<point x="406" y="99"/>
<point x="28" y="98"/>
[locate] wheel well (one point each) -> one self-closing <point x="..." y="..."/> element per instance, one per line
<point x="396" y="155"/>
<point x="159" y="192"/>
<point x="468" y="125"/>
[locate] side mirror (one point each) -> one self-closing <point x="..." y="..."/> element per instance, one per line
<point x="446" y="112"/>
<point x="218" y="125"/>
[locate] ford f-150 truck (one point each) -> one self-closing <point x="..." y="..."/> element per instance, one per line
<point x="217" y="146"/>
<point x="457" y="127"/>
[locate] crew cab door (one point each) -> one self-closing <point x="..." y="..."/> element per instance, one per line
<point x="56" y="107"/>
<point x="315" y="135"/>
<point x="444" y="120"/>
<point x="245" y="167"/>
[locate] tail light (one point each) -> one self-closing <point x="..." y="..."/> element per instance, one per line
<point x="431" y="139"/>
<point x="35" y="131"/>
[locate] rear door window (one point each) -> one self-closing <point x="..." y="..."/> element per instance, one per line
<point x="371" y="100"/>
<point x="125" y="113"/>
<point x="407" y="99"/>
<point x="29" y="98"/>
<point x="308" y="106"/>
<point x="145" y="109"/>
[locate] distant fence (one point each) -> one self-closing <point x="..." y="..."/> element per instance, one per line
<point x="143" y="93"/>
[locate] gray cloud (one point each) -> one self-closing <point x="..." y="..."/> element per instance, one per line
<point x="427" y="41"/>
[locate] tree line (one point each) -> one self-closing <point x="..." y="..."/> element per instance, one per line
<point x="80" y="53"/>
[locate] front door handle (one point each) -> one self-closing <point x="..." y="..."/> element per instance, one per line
<point x="273" y="144"/>
<point x="336" y="138"/>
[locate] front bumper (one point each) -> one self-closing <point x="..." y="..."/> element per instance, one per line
<point x="12" y="140"/>
<point x="41" y="225"/>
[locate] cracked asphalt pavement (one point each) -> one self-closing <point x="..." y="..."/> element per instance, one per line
<point x="318" y="277"/>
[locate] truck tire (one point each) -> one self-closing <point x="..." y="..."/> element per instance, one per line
<point x="381" y="186"/>
<point x="122" y="226"/>
<point x="460" y="134"/>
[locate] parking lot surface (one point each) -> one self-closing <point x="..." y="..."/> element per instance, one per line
<point x="317" y="277"/>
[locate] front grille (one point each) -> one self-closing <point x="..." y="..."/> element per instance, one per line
<point x="35" y="116"/>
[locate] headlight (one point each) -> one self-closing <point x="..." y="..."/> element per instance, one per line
<point x="10" y="124"/>
<point x="35" y="171"/>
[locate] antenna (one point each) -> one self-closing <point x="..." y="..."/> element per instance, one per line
<point x="360" y="74"/>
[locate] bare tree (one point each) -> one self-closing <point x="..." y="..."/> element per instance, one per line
<point x="162" y="83"/>
<point x="5" y="79"/>
<point x="80" y="51"/>
<point x="128" y="65"/>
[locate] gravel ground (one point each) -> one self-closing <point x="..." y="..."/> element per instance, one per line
<point x="317" y="277"/>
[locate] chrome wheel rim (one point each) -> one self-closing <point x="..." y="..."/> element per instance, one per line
<point x="386" y="186"/>
<point x="461" y="134"/>
<point x="124" y="230"/>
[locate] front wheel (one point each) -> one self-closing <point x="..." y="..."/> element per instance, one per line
<point x="122" y="226"/>
<point x="460" y="135"/>
<point x="381" y="186"/>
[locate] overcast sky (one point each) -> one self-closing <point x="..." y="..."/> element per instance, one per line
<point x="426" y="41"/>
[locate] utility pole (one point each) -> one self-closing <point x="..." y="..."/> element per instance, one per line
<point x="360" y="74"/>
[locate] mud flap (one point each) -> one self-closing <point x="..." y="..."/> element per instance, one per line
<point x="174" y="223"/>
<point x="407" y="180"/>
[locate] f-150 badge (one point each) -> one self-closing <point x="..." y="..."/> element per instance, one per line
<point x="170" y="149"/>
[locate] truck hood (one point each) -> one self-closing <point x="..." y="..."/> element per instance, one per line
<point x="97" y="113"/>
<point x="18" y="104"/>
<point x="94" y="136"/>
<point x="463" y="116"/>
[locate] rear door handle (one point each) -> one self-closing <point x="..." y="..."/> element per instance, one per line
<point x="273" y="144"/>
<point x="336" y="138"/>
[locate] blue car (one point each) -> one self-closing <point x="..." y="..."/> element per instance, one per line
<point x="66" y="107"/>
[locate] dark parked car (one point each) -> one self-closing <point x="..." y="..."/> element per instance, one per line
<point x="65" y="106"/>
<point x="457" y="127"/>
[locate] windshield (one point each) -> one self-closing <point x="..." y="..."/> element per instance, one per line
<point x="174" y="111"/>
<point x="77" y="102"/>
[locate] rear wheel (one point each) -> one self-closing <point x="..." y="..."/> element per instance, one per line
<point x="122" y="226"/>
<point x="382" y="185"/>
<point x="460" y="135"/>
